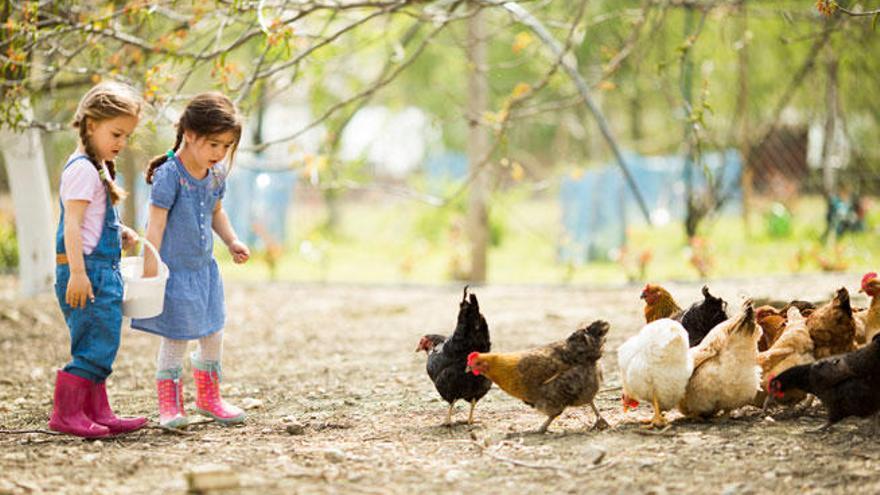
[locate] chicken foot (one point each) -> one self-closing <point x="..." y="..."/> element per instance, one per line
<point x="658" y="421"/>
<point x="449" y="415"/>
<point x="471" y="415"/>
<point x="822" y="429"/>
<point x="805" y="404"/>
<point x="543" y="428"/>
<point x="600" y="423"/>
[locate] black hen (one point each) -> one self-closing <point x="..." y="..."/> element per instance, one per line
<point x="847" y="384"/>
<point x="447" y="357"/>
<point x="702" y="317"/>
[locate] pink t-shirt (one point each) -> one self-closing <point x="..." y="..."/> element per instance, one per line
<point x="80" y="181"/>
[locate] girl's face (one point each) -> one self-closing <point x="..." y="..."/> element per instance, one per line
<point x="109" y="137"/>
<point x="211" y="149"/>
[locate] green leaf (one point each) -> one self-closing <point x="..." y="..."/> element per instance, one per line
<point x="874" y="21"/>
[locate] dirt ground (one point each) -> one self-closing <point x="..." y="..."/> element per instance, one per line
<point x="339" y="403"/>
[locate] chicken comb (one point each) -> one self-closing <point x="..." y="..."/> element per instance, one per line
<point x="472" y="357"/>
<point x="867" y="278"/>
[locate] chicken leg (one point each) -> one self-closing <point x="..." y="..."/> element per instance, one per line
<point x="658" y="421"/>
<point x="543" y="428"/>
<point x="471" y="415"/>
<point x="822" y="429"/>
<point x="449" y="414"/>
<point x="600" y="423"/>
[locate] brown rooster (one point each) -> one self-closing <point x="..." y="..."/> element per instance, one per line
<point x="563" y="374"/>
<point x="832" y="326"/>
<point x="659" y="303"/>
<point x="772" y="322"/>
<point x="793" y="348"/>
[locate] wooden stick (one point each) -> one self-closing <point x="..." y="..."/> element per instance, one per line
<point x="15" y="432"/>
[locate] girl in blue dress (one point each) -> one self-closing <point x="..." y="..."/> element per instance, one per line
<point x="186" y="208"/>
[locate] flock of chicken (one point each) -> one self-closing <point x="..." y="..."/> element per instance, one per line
<point x="699" y="360"/>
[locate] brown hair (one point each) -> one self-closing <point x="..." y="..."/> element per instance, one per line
<point x="106" y="100"/>
<point x="206" y="115"/>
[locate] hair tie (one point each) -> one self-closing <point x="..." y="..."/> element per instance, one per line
<point x="169" y="153"/>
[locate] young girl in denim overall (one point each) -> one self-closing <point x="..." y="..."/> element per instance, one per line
<point x="188" y="184"/>
<point x="88" y="246"/>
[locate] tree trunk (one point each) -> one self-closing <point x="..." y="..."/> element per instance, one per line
<point x="692" y="213"/>
<point x="478" y="147"/>
<point x="742" y="111"/>
<point x="32" y="202"/>
<point x="828" y="179"/>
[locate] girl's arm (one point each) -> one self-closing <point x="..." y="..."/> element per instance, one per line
<point x="155" y="233"/>
<point x="79" y="287"/>
<point x="221" y="225"/>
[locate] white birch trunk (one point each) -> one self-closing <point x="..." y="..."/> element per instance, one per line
<point x="29" y="183"/>
<point x="478" y="145"/>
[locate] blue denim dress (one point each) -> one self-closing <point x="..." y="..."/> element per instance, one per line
<point x="194" y="305"/>
<point x="95" y="329"/>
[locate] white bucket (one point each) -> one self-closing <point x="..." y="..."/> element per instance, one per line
<point x="142" y="297"/>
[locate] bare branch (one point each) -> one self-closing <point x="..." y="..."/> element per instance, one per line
<point x="381" y="82"/>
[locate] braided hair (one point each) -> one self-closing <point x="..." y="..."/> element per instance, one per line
<point x="104" y="101"/>
<point x="207" y="114"/>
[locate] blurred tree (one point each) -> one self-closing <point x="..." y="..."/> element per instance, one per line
<point x="608" y="57"/>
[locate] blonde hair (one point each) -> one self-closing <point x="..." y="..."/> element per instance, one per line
<point x="207" y="114"/>
<point x="104" y="101"/>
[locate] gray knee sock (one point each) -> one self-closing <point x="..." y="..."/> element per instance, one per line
<point x="211" y="347"/>
<point x="171" y="352"/>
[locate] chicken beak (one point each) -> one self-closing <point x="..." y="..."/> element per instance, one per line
<point x="468" y="369"/>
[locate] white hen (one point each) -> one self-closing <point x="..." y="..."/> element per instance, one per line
<point x="655" y="366"/>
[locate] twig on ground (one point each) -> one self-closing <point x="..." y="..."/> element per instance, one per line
<point x="38" y="430"/>
<point x="179" y="431"/>
<point x="176" y="431"/>
<point x="656" y="433"/>
<point x="515" y="462"/>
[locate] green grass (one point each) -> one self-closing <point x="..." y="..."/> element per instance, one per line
<point x="403" y="241"/>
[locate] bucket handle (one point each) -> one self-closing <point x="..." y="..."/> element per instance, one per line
<point x="148" y="244"/>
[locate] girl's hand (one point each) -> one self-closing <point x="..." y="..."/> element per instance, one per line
<point x="240" y="252"/>
<point x="130" y="238"/>
<point x="79" y="288"/>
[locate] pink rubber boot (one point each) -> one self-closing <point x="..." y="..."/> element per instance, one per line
<point x="97" y="407"/>
<point x="67" y="415"/>
<point x="170" y="388"/>
<point x="207" y="375"/>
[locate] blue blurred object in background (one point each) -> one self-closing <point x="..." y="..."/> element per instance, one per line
<point x="257" y="202"/>
<point x="598" y="205"/>
<point x="445" y="168"/>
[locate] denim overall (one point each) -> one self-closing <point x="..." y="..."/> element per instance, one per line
<point x="95" y="329"/>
